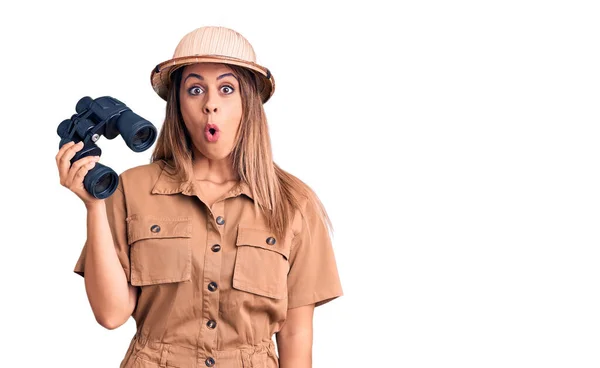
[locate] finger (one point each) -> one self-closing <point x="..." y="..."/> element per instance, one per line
<point x="78" y="174"/>
<point x="62" y="150"/>
<point x="87" y="162"/>
<point x="65" y="161"/>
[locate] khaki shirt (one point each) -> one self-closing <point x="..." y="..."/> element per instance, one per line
<point x="215" y="284"/>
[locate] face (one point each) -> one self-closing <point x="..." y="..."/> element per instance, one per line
<point x="211" y="107"/>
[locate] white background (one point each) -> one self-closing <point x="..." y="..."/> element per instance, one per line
<point x="454" y="144"/>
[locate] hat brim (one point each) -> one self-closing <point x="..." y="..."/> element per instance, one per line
<point x="161" y="74"/>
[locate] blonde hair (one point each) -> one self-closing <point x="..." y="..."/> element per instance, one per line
<point x="276" y="192"/>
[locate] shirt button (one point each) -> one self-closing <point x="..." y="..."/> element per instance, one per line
<point x="209" y="362"/>
<point x="220" y="220"/>
<point x="216" y="248"/>
<point x="270" y="240"/>
<point x="155" y="228"/>
<point x="212" y="286"/>
<point x="211" y="324"/>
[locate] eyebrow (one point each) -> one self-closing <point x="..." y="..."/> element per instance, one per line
<point x="202" y="78"/>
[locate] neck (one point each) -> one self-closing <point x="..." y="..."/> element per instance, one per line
<point x="215" y="171"/>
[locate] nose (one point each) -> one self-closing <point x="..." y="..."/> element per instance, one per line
<point x="208" y="108"/>
<point x="211" y="103"/>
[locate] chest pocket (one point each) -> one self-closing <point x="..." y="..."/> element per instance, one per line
<point x="160" y="249"/>
<point x="261" y="263"/>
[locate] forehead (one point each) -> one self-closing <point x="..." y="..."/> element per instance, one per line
<point x="206" y="69"/>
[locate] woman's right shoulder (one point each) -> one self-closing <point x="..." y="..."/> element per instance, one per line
<point x="140" y="176"/>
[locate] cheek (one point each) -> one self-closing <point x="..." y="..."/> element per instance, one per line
<point x="235" y="110"/>
<point x="185" y="105"/>
<point x="189" y="112"/>
<point x="192" y="126"/>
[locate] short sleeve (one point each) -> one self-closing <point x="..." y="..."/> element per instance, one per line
<point x="313" y="276"/>
<point x="116" y="213"/>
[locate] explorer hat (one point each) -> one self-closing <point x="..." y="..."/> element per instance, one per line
<point x="217" y="45"/>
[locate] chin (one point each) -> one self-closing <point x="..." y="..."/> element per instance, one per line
<point x="216" y="155"/>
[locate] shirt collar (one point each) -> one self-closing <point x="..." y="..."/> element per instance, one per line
<point x="169" y="183"/>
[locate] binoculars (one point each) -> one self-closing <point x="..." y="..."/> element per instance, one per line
<point x="109" y="117"/>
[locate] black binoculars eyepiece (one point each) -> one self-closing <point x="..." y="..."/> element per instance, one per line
<point x="109" y="117"/>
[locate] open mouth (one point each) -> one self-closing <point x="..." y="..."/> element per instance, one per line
<point x="211" y="132"/>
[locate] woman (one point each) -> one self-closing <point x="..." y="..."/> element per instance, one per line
<point x="212" y="248"/>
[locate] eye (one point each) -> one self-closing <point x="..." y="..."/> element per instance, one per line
<point x="230" y="88"/>
<point x="225" y="87"/>
<point x="192" y="89"/>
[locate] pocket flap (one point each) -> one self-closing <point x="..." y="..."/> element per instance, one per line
<point x="261" y="238"/>
<point x="149" y="226"/>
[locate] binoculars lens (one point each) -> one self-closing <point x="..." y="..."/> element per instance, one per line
<point x="101" y="181"/>
<point x="142" y="138"/>
<point x="138" y="133"/>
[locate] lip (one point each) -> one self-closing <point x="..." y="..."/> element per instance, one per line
<point x="212" y="137"/>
